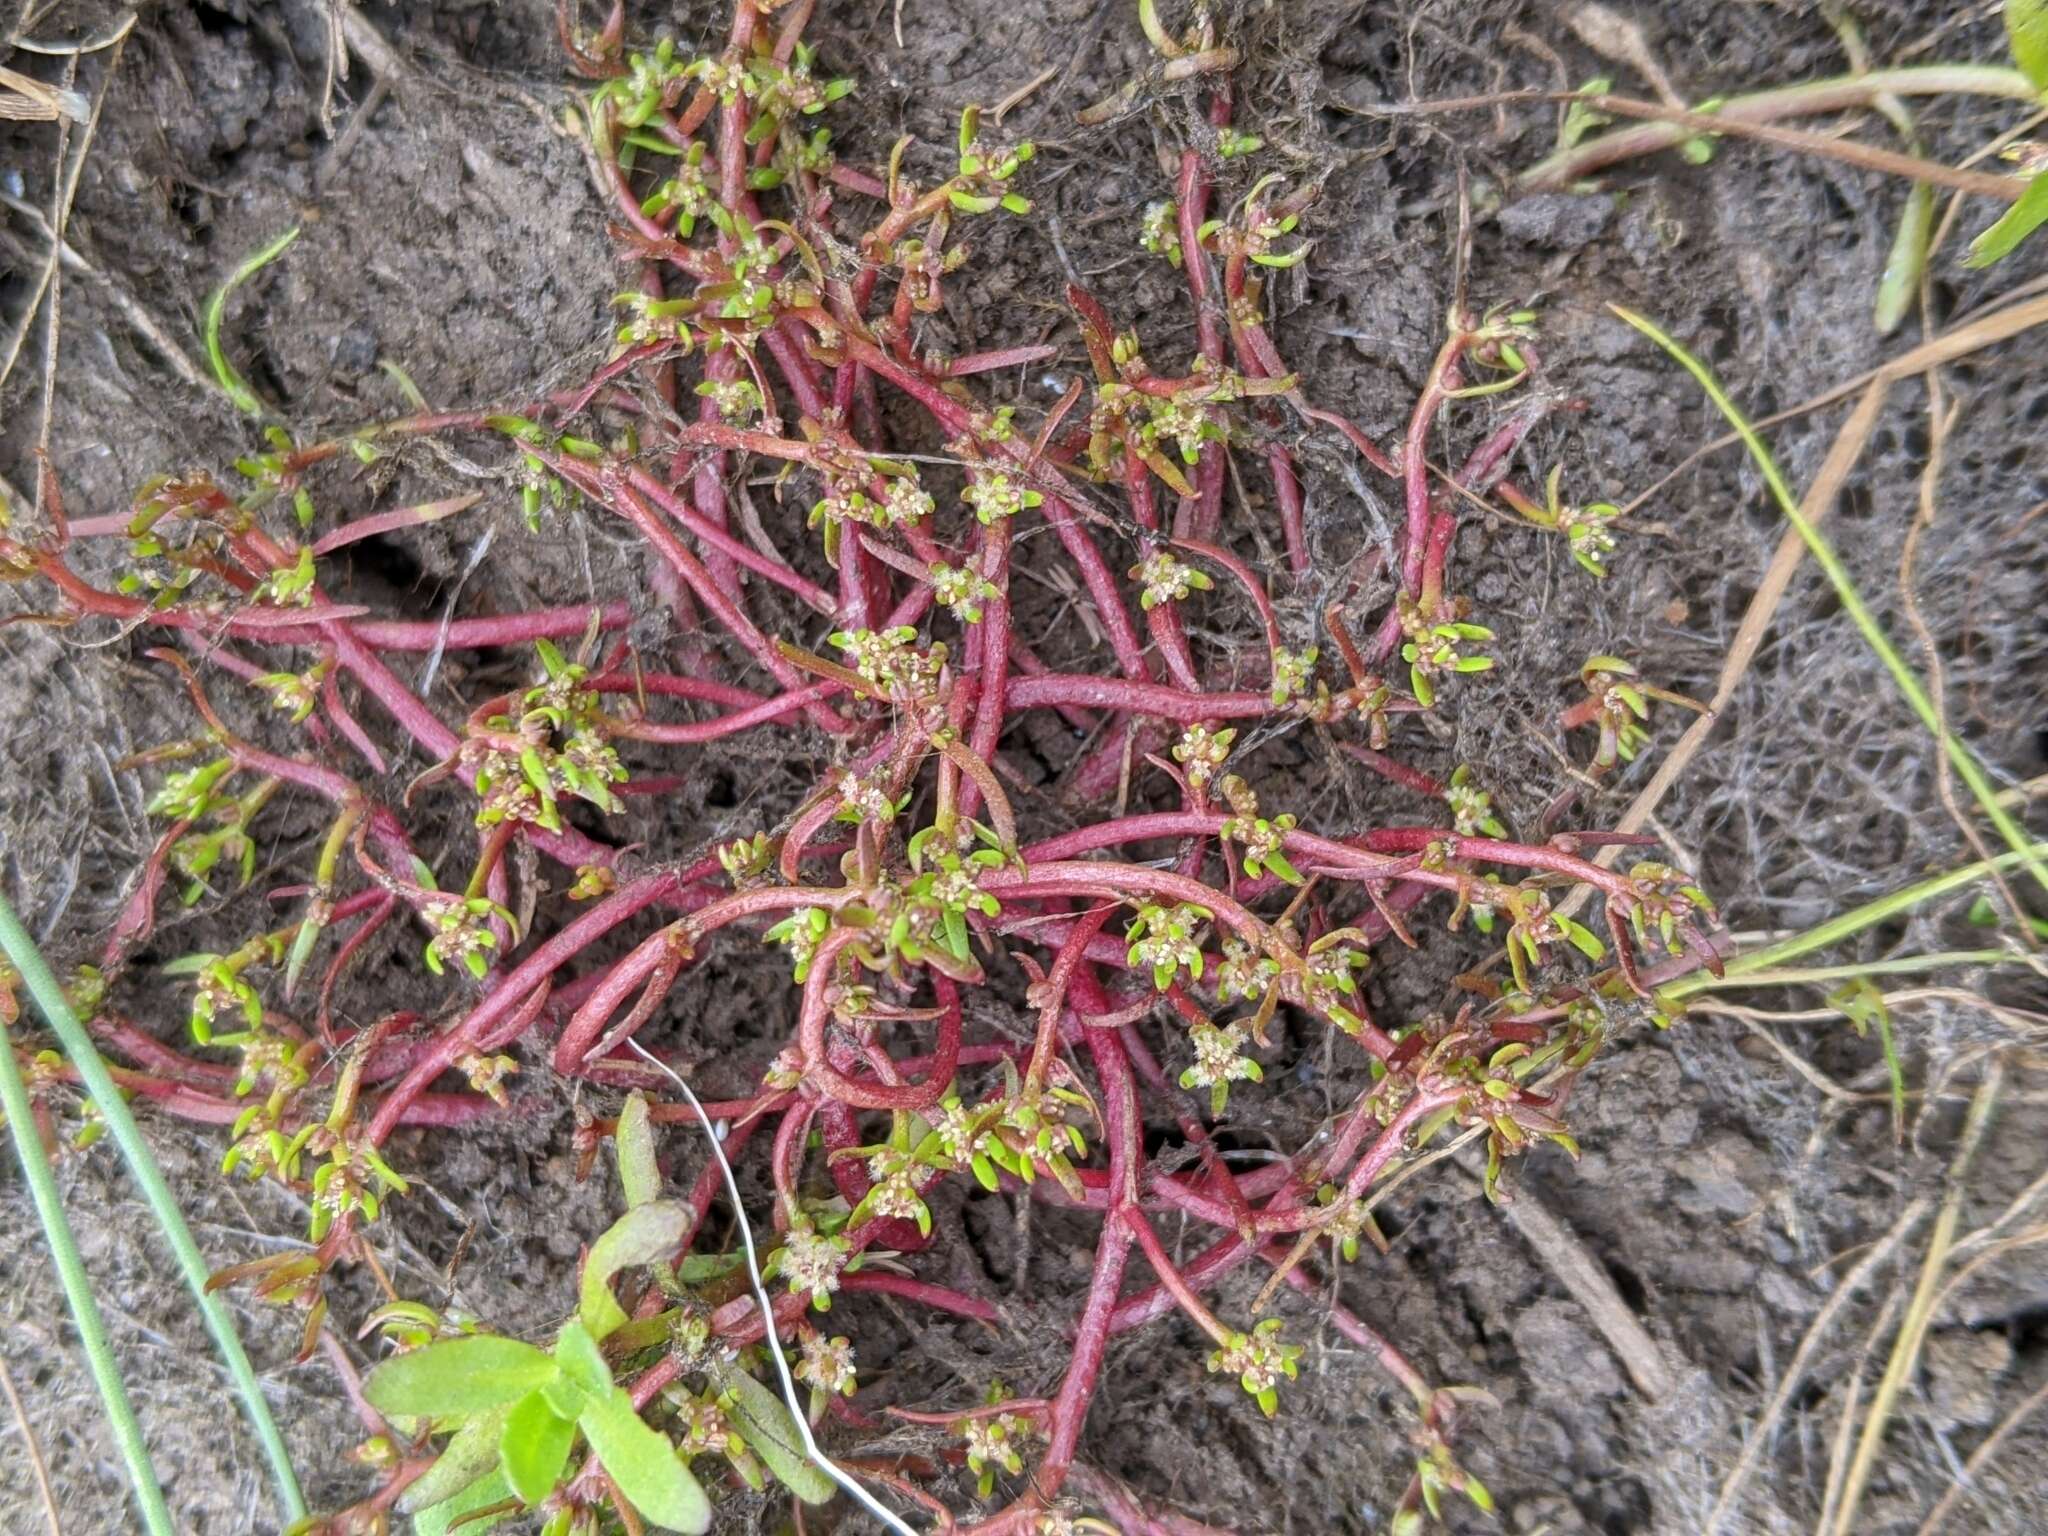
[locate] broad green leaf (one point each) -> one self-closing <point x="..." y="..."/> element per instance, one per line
<point x="2026" y="24"/>
<point x="534" y="1447"/>
<point x="481" y="1494"/>
<point x="2020" y="221"/>
<point x="772" y="1435"/>
<point x="634" y="1140"/>
<point x="581" y="1361"/>
<point x="644" y="1235"/>
<point x="458" y="1376"/>
<point x="471" y="1453"/>
<point x="644" y="1465"/>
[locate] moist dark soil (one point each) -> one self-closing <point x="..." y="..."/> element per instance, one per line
<point x="450" y="228"/>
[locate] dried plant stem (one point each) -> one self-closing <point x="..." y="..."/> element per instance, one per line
<point x="1920" y="1310"/>
<point x="1795" y="1373"/>
<point x="1979" y="1460"/>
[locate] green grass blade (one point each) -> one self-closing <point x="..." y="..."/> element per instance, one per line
<point x="1836" y="929"/>
<point x="85" y="1313"/>
<point x="28" y="961"/>
<point x="231" y="382"/>
<point x="1824" y="555"/>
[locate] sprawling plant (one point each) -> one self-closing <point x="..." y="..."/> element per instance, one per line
<point x="778" y="327"/>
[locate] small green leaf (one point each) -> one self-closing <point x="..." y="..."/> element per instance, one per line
<point x="481" y="1494"/>
<point x="1581" y="118"/>
<point x="2026" y="24"/>
<point x="644" y="1465"/>
<point x="458" y="1376"/>
<point x="232" y="384"/>
<point x="2020" y="221"/>
<point x="469" y="1454"/>
<point x="644" y="1235"/>
<point x="534" y="1448"/>
<point x="701" y="1267"/>
<point x="639" y="1174"/>
<point x="772" y="1435"/>
<point x="582" y="1362"/>
<point x="1900" y="285"/>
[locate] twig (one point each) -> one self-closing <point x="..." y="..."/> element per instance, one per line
<point x="66" y="193"/>
<point x="132" y="309"/>
<point x="1592" y="1288"/>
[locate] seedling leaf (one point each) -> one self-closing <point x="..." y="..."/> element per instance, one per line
<point x="481" y="1494"/>
<point x="232" y="384"/>
<point x="639" y="1174"/>
<point x="469" y="1454"/>
<point x="773" y="1436"/>
<point x="644" y="1465"/>
<point x="458" y="1376"/>
<point x="2020" y="221"/>
<point x="534" y="1447"/>
<point x="644" y="1235"/>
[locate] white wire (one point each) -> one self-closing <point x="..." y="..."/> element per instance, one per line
<point x="831" y="1468"/>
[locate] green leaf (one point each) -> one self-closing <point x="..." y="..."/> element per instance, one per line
<point x="2026" y="24"/>
<point x="458" y="1376"/>
<point x="481" y="1494"/>
<point x="1580" y="118"/>
<point x="644" y="1465"/>
<point x="1862" y="1004"/>
<point x="2020" y="221"/>
<point x="534" y="1448"/>
<point x="468" y="1456"/>
<point x="771" y="1434"/>
<point x="699" y="1268"/>
<point x="644" y="1235"/>
<point x="1900" y="285"/>
<point x="232" y="384"/>
<point x="582" y="1363"/>
<point x="639" y="1174"/>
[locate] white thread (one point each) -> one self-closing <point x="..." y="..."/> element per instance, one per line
<point x="831" y="1468"/>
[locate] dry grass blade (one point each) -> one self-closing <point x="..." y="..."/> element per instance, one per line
<point x="25" y="99"/>
<point x="1911" y="167"/>
<point x="1920" y="1311"/>
<point x="38" y="1469"/>
<point x="1838" y="1448"/>
<point x="1903" y="677"/>
<point x="1745" y="1464"/>
<point x="1979" y="1460"/>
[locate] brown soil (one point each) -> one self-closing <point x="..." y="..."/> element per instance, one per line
<point x="453" y="231"/>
